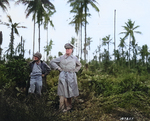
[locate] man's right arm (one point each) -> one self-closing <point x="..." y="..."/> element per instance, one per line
<point x="54" y="64"/>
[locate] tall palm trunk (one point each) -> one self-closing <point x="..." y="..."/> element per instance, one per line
<point x="147" y="61"/>
<point x="129" y="51"/>
<point x="108" y="48"/>
<point x="33" y="36"/>
<point x="47" y="44"/>
<point x="81" y="32"/>
<point x="39" y="35"/>
<point x="1" y="40"/>
<point x="81" y="40"/>
<point x="12" y="43"/>
<point x="85" y="35"/>
<point x="21" y="46"/>
<point x="122" y="56"/>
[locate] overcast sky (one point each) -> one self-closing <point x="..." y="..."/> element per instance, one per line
<point x="100" y="24"/>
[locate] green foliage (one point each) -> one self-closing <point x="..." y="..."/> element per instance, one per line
<point x="60" y="53"/>
<point x="104" y="95"/>
<point x="127" y="89"/>
<point x="20" y="48"/>
<point x="48" y="47"/>
<point x="30" y="108"/>
<point x="13" y="26"/>
<point x="109" y="85"/>
<point x="94" y="65"/>
<point x="18" y="71"/>
<point x="3" y="75"/>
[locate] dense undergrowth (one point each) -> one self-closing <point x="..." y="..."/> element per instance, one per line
<point x="106" y="94"/>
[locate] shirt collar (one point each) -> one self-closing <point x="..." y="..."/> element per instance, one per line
<point x="39" y="63"/>
<point x="66" y="56"/>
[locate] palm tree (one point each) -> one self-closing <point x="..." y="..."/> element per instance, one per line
<point x="1" y="40"/>
<point x="48" y="48"/>
<point x="78" y="18"/>
<point x="47" y="20"/>
<point x="73" y="41"/>
<point x="4" y="8"/>
<point x="135" y="52"/>
<point x="84" y="10"/>
<point x="129" y="31"/>
<point x="106" y="41"/>
<point x="77" y="9"/>
<point x="14" y="30"/>
<point x="30" y="9"/>
<point x="89" y="40"/>
<point x="40" y="10"/>
<point x="144" y="53"/>
<point x="122" y="45"/>
<point x="2" y="4"/>
<point x="20" y="48"/>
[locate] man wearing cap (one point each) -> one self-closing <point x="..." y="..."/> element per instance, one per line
<point x="38" y="71"/>
<point x="67" y="64"/>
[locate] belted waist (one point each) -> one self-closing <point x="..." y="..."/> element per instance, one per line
<point x="68" y="70"/>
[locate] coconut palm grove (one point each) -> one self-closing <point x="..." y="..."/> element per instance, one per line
<point x="113" y="86"/>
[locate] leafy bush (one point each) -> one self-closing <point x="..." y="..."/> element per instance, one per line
<point x="112" y="85"/>
<point x="17" y="71"/>
<point x="31" y="108"/>
<point x="3" y="75"/>
<point x="103" y="96"/>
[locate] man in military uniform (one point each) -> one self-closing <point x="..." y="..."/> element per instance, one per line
<point x="38" y="71"/>
<point x="68" y="65"/>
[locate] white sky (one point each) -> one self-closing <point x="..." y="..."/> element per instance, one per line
<point x="100" y="24"/>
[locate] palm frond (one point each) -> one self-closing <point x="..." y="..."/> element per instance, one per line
<point x="9" y="18"/>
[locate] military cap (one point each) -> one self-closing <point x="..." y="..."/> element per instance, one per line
<point x="38" y="54"/>
<point x="68" y="46"/>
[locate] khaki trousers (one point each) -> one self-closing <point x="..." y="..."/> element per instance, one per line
<point x="65" y="103"/>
